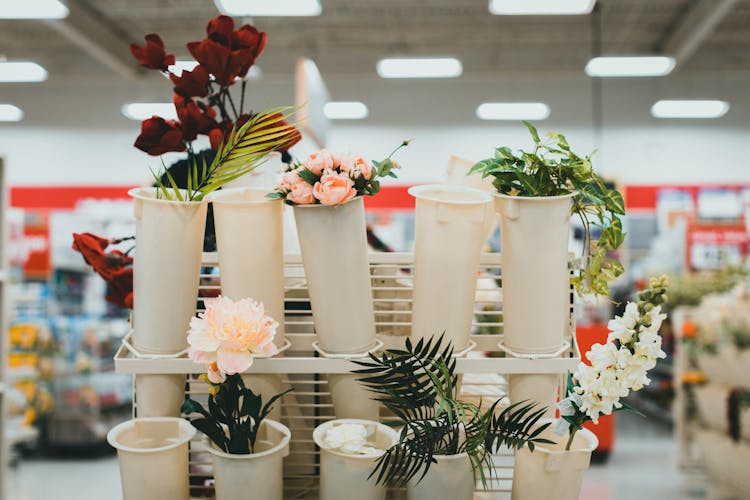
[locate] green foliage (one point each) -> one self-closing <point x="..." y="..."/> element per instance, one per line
<point x="419" y="385"/>
<point x="242" y="151"/>
<point x="234" y="416"/>
<point x="552" y="169"/>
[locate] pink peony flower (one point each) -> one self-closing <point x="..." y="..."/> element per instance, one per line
<point x="301" y="194"/>
<point x="320" y="161"/>
<point x="229" y="333"/>
<point x="356" y="166"/>
<point x="334" y="188"/>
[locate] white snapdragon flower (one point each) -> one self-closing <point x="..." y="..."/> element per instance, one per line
<point x="350" y="439"/>
<point x="622" y="328"/>
<point x="656" y="320"/>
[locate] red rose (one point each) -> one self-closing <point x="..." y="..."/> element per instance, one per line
<point x="152" y="54"/>
<point x="92" y="248"/>
<point x="159" y="136"/>
<point x="195" y="117"/>
<point x="191" y="83"/>
<point x="226" y="53"/>
<point x="121" y="288"/>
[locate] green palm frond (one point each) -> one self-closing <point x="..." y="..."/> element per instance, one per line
<point x="419" y="385"/>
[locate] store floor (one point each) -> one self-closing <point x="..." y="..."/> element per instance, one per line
<point x="642" y="466"/>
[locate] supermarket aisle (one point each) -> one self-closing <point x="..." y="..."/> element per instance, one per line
<point x="94" y="479"/>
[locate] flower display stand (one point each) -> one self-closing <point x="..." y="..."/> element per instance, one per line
<point x="304" y="369"/>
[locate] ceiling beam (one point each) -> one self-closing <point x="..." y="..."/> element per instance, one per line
<point x="694" y="27"/>
<point x="98" y="37"/>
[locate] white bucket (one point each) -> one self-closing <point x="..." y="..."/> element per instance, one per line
<point x="449" y="234"/>
<point x="258" y="475"/>
<point x="534" y="236"/>
<point x="250" y="248"/>
<point x="344" y="476"/>
<point x="159" y="395"/>
<point x="169" y="246"/>
<point x="550" y="471"/>
<point x="267" y="385"/>
<point x="450" y="478"/>
<point x="153" y="458"/>
<point x="351" y="399"/>
<point x="539" y="388"/>
<point x="333" y="241"/>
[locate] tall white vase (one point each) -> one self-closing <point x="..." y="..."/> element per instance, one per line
<point x="169" y="246"/>
<point x="345" y="475"/>
<point x="550" y="471"/>
<point x="257" y="475"/>
<point x="534" y="236"/>
<point x="449" y="234"/>
<point x="451" y="477"/>
<point x="351" y="399"/>
<point x="250" y="247"/>
<point x="153" y="458"/>
<point x="333" y="241"/>
<point x="541" y="388"/>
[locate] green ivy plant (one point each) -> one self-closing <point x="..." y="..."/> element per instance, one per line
<point x="244" y="149"/>
<point x="234" y="416"/>
<point x="419" y="385"/>
<point x="552" y="169"/>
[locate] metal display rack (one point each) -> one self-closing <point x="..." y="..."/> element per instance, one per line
<point x="483" y="367"/>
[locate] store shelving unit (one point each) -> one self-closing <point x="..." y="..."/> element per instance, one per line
<point x="301" y="367"/>
<point x="3" y="330"/>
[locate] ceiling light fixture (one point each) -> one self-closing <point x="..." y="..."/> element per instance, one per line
<point x="541" y="7"/>
<point x="435" y="67"/>
<point x="630" y="66"/>
<point x="269" y="8"/>
<point x="10" y="113"/>
<point x="345" y="110"/>
<point x="143" y="110"/>
<point x="689" y="109"/>
<point x="513" y="111"/>
<point x="33" y="9"/>
<point x="21" y="71"/>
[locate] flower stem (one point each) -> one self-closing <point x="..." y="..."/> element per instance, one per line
<point x="573" y="431"/>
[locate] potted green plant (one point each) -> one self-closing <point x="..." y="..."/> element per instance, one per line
<point x="446" y="443"/>
<point x="537" y="191"/>
<point x="247" y="448"/>
<point x="618" y="366"/>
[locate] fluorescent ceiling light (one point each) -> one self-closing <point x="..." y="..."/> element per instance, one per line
<point x="630" y="66"/>
<point x="689" y="109"/>
<point x="512" y="111"/>
<point x="540" y="7"/>
<point x="181" y="65"/>
<point x="33" y="9"/>
<point x="345" y="110"/>
<point x="436" y="67"/>
<point x="10" y="113"/>
<point x="21" y="71"/>
<point x="144" y="110"/>
<point x="269" y="8"/>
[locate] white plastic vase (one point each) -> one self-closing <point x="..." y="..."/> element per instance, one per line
<point x="250" y="248"/>
<point x="267" y="385"/>
<point x="449" y="234"/>
<point x="266" y="175"/>
<point x="534" y="233"/>
<point x="169" y="246"/>
<point x="153" y="457"/>
<point x="541" y="388"/>
<point x="351" y="399"/>
<point x="333" y="242"/>
<point x="159" y="395"/>
<point x="344" y="476"/>
<point x="550" y="471"/>
<point x="257" y="475"/>
<point x="451" y="477"/>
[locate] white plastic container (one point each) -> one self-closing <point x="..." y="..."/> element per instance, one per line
<point x="267" y="385"/>
<point x="333" y="241"/>
<point x="535" y="388"/>
<point x="343" y="475"/>
<point x="159" y="395"/>
<point x="449" y="234"/>
<point x="169" y="246"/>
<point x="534" y="236"/>
<point x="258" y="475"/>
<point x="550" y="471"/>
<point x="351" y="399"/>
<point x="153" y="458"/>
<point x="450" y="478"/>
<point x="250" y="248"/>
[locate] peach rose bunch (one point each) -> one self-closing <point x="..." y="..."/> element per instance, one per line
<point x="328" y="179"/>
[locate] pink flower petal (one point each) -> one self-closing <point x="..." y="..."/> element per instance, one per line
<point x="231" y="362"/>
<point x="201" y="356"/>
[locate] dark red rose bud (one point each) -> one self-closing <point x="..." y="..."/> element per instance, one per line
<point x="195" y="118"/>
<point x="152" y="55"/>
<point x="159" y="136"/>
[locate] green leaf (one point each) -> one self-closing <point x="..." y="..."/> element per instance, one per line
<point x="532" y="131"/>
